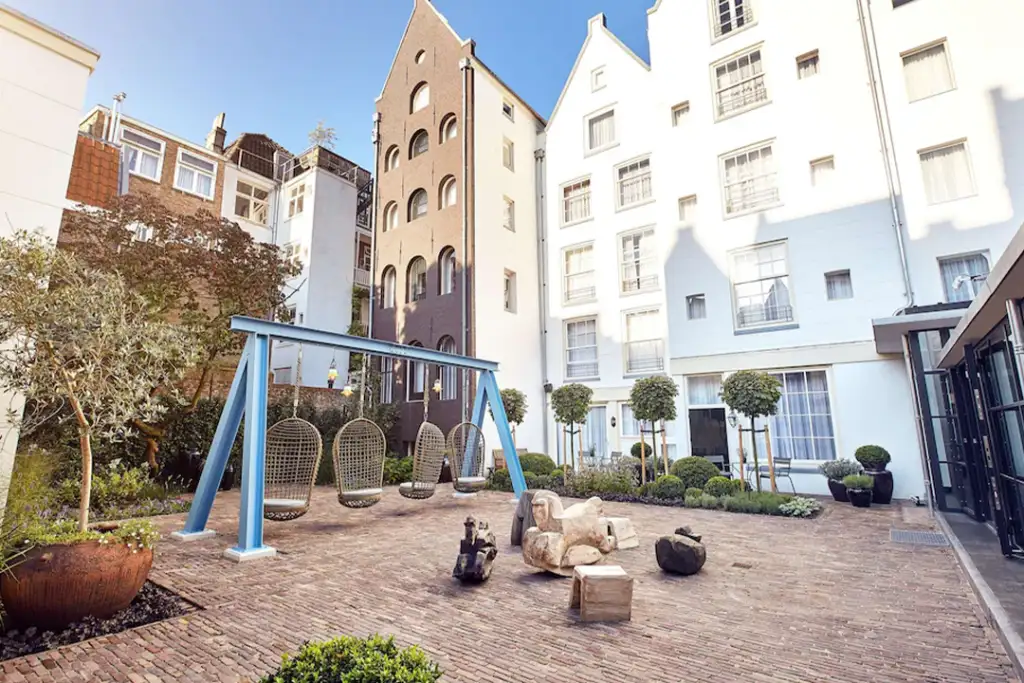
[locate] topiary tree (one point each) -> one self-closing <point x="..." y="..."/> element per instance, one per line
<point x="754" y="394"/>
<point x="514" y="402"/>
<point x="538" y="463"/>
<point x="571" y="403"/>
<point x="653" y="399"/>
<point x="695" y="471"/>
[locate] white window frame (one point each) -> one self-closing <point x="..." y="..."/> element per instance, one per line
<point x="619" y="206"/>
<point x="975" y="285"/>
<point x="508" y="154"/>
<point x="508" y="217"/>
<point x="629" y="422"/>
<point x="449" y="268"/>
<point x="145" y="150"/>
<point x="509" y="292"/>
<point x="508" y="110"/>
<point x="692" y="298"/>
<point x="822" y="162"/>
<point x="566" y="275"/>
<point x="587" y="149"/>
<point x="686" y="201"/>
<point x="829" y="382"/>
<point x="449" y="192"/>
<point x="419" y="150"/>
<point x="449" y="129"/>
<point x="773" y="173"/>
<point x="585" y="198"/>
<point x="596" y="347"/>
<point x="716" y="92"/>
<point x="749" y="19"/>
<point x="389" y="289"/>
<point x="387" y="379"/>
<point x="197" y="171"/>
<point x="253" y="202"/>
<point x="970" y="170"/>
<point x="420" y="88"/>
<point x="839" y="273"/>
<point x="597" y="78"/>
<point x="767" y="324"/>
<point x="392" y="158"/>
<point x="293" y="253"/>
<point x="659" y="342"/>
<point x="680" y="113"/>
<point x="810" y="56"/>
<point x="390" y="216"/>
<point x="448" y="374"/>
<point x="949" y="66"/>
<point x="632" y="264"/>
<point x="296" y="199"/>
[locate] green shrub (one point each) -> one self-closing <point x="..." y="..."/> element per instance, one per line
<point x="695" y="471"/>
<point x="859" y="482"/>
<point x="719" y="486"/>
<point x="596" y="482"/>
<point x="800" y="507"/>
<point x="710" y="502"/>
<point x="499" y="480"/>
<point x="872" y="456"/>
<point x="396" y="470"/>
<point x="30" y="491"/>
<point x="693" y="492"/>
<point x="538" y="463"/>
<point x="741" y="503"/>
<point x="355" y="660"/>
<point x="112" y="486"/>
<point x="758" y="503"/>
<point x="557" y="476"/>
<point x="667" y="487"/>
<point x="634" y="450"/>
<point x="692" y="501"/>
<point x="739" y="485"/>
<point x="531" y="479"/>
<point x="837" y="470"/>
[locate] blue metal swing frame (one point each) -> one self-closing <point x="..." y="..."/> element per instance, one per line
<point x="248" y="397"/>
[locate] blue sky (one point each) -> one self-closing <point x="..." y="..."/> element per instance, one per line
<point x="278" y="67"/>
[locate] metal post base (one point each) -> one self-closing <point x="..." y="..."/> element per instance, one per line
<point x="189" y="536"/>
<point x="239" y="555"/>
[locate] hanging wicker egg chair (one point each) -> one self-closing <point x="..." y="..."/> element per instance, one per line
<point x="358" y="453"/>
<point x="427" y="460"/>
<point x="467" y="452"/>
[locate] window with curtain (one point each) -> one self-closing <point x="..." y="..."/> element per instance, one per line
<point x="696" y="307"/>
<point x="446" y="373"/>
<point x="388" y="298"/>
<point x="947" y="172"/>
<point x="417" y="280"/>
<point x="418" y="204"/>
<point x="601" y="130"/>
<point x="387" y="380"/>
<point x="634" y="182"/>
<point x="680" y="113"/>
<point x="688" y="210"/>
<point x="638" y="264"/>
<point x="449" y="128"/>
<point x="580" y="284"/>
<point x="420" y="144"/>
<point x="927" y="71"/>
<point x="143" y="155"/>
<point x="739" y="84"/>
<point x="630" y="425"/>
<point x="195" y="174"/>
<point x="838" y="285"/>
<point x="447" y="284"/>
<point x="390" y="216"/>
<point x="760" y="280"/>
<point x="963" y="276"/>
<point x="807" y="65"/>
<point x="730" y="16"/>
<point x="802" y="429"/>
<point x="704" y="390"/>
<point x="749" y="179"/>
<point x="416" y="377"/>
<point x="645" y="350"/>
<point x="508" y="217"/>
<point x="581" y="348"/>
<point x="822" y="171"/>
<point x="449" y="192"/>
<point x="576" y="201"/>
<point x="391" y="158"/>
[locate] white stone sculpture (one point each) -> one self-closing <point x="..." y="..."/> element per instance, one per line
<point x="565" y="538"/>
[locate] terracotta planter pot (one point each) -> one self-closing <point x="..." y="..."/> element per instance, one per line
<point x="838" y="490"/>
<point x="58" y="584"/>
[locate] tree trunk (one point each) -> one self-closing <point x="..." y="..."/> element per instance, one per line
<point x="643" y="460"/>
<point x="152" y="446"/>
<point x="581" y="448"/>
<point x="757" y="466"/>
<point x="85" y="444"/>
<point x="664" y="446"/>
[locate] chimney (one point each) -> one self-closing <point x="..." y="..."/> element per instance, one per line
<point x="215" y="138"/>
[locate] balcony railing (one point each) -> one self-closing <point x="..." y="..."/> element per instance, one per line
<point x="752" y="316"/>
<point x="361" y="277"/>
<point x="645" y="356"/>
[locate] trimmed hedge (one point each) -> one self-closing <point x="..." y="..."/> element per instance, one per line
<point x="538" y="463"/>
<point x="695" y="471"/>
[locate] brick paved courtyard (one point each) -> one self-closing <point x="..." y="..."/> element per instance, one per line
<point x="825" y="600"/>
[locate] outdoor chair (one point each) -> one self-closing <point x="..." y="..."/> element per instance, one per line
<point x="782" y="471"/>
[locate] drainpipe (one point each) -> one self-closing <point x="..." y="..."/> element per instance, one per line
<point x="884" y="137"/>
<point x="542" y="277"/>
<point x="929" y="490"/>
<point x="466" y="67"/>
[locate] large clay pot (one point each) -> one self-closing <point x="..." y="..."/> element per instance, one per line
<point x="838" y="490"/>
<point x="882" y="490"/>
<point x="58" y="584"/>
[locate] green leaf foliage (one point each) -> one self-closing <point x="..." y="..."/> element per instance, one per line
<point x="800" y="507"/>
<point x="719" y="486"/>
<point x="694" y="471"/>
<point x="355" y="660"/>
<point x="872" y="456"/>
<point x="667" y="487"/>
<point x="654" y="399"/>
<point x="538" y="463"/>
<point x="754" y="394"/>
<point x="571" y="403"/>
<point x="515" y="405"/>
<point x="859" y="482"/>
<point x="837" y="470"/>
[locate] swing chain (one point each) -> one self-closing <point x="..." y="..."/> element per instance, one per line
<point x="298" y="381"/>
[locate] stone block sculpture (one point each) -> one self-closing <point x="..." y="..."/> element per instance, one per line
<point x="565" y="538"/>
<point x="477" y="551"/>
<point x="681" y="552"/>
<point x="621" y="529"/>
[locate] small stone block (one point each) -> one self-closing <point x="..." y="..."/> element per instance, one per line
<point x="189" y="536"/>
<point x="622" y="530"/>
<point x="239" y="555"/>
<point x="602" y="593"/>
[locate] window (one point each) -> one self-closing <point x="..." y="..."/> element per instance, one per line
<point x="365" y="256"/>
<point x="195" y="174"/>
<point x="947" y="172"/>
<point x="416" y="280"/>
<point x="447" y="373"/>
<point x="391" y="158"/>
<point x="296" y="198"/>
<point x="508" y="154"/>
<point x="838" y="285"/>
<point x="679" y="114"/>
<point x="631" y="426"/>
<point x="144" y="155"/>
<point x="292" y="253"/>
<point x="448" y="270"/>
<point x="822" y="171"/>
<point x="639" y="264"/>
<point x="251" y="202"/>
<point x="449" y="128"/>
<point x="601" y="131"/>
<point x="387" y="299"/>
<point x="963" y="276"/>
<point x="282" y="375"/>
<point x="579" y="274"/>
<point x="449" y="192"/>
<point x="633" y="181"/>
<point x="644" y="348"/>
<point x="418" y="204"/>
<point x="288" y="315"/>
<point x="576" y="202"/>
<point x="802" y="427"/>
<point x="420" y="98"/>
<point x="421" y="56"/>
<point x="760" y="282"/>
<point x="688" y="210"/>
<point x="419" y="144"/>
<point x="696" y="307"/>
<point x="749" y="180"/>
<point x="510" y="291"/>
<point x="508" y="110"/>
<point x="415" y="377"/>
<point x="729" y="16"/>
<point x="597" y="79"/>
<point x="581" y="349"/>
<point x="704" y="390"/>
<point x="387" y="379"/>
<point x="739" y="84"/>
<point x="390" y="216"/>
<point x="807" y="65"/>
<point x="508" y="219"/>
<point x="928" y="71"/>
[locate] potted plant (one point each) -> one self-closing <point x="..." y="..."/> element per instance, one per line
<point x="80" y="338"/>
<point x="874" y="459"/>
<point x="835" y="471"/>
<point x="858" y="488"/>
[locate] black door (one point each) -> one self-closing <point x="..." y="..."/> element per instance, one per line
<point x="708" y="436"/>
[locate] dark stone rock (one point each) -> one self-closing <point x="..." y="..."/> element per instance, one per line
<point x="688" y="532"/>
<point x="679" y="554"/>
<point x="477" y="551"/>
<point x="523" y="518"/>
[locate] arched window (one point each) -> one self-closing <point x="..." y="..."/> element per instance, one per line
<point x="449" y="128"/>
<point x="387" y="299"/>
<point x="415" y="377"/>
<point x="416" y="280"/>
<point x="391" y="158"/>
<point x="419" y="144"/>
<point x="390" y="216"/>
<point x="418" y="204"/>
<point x="449" y="193"/>
<point x="420" y="97"/>
<point x="447" y="261"/>
<point x="448" y="374"/>
<point x="420" y="56"/>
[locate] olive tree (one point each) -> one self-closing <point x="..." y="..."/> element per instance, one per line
<point x="514" y="402"/>
<point x="571" y="403"/>
<point x="82" y="338"/>
<point x="653" y="399"/>
<point x="754" y="394"/>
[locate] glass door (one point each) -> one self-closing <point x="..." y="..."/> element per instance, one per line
<point x="595" y="436"/>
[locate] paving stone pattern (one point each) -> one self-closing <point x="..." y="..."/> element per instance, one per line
<point x="826" y="601"/>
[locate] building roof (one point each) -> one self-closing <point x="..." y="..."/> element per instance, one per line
<point x="48" y="37"/>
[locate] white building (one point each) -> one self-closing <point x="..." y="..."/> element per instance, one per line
<point x="771" y="213"/>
